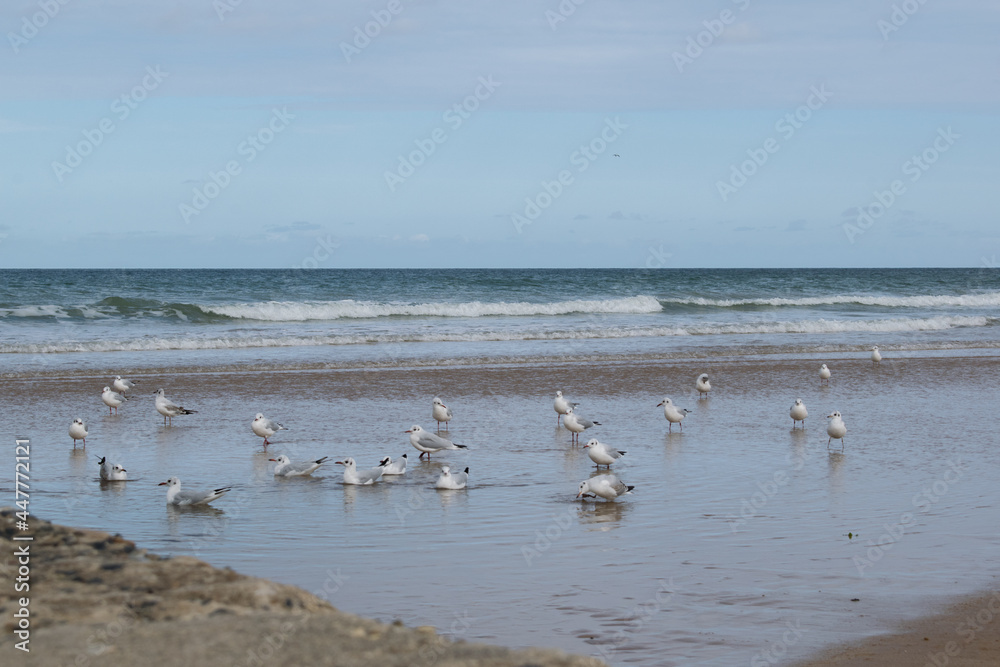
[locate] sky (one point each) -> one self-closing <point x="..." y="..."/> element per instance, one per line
<point x="499" y="133"/>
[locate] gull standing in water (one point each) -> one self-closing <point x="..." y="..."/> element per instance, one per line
<point x="798" y="413"/>
<point x="441" y="413"/>
<point x="448" y="481"/>
<point x="824" y="374"/>
<point x="362" y="477"/>
<point x="428" y="443"/>
<point x="577" y="424"/>
<point x="122" y="386"/>
<point x="836" y="429"/>
<point x="188" y="498"/>
<point x="112" y="472"/>
<point x="876" y="356"/>
<point x="703" y="385"/>
<point x="78" y="431"/>
<point x="672" y="413"/>
<point x="286" y="468"/>
<point x="265" y="428"/>
<point x="601" y="454"/>
<point x="169" y="410"/>
<point x="562" y="406"/>
<point x="112" y="399"/>
<point x="397" y="467"/>
<point x="607" y="486"/>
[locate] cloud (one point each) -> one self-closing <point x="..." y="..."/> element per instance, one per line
<point x="420" y="238"/>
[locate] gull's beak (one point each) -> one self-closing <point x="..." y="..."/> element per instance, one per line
<point x="272" y="459"/>
<point x="659" y="404"/>
<point x="410" y="431"/>
<point x="162" y="484"/>
<point x="123" y="470"/>
<point x="340" y="463"/>
<point x="579" y="494"/>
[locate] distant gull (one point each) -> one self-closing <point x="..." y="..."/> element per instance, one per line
<point x="672" y="413"/>
<point x="121" y="385"/>
<point x="798" y="413"/>
<point x="169" y="409"/>
<point x="562" y="406"/>
<point x="577" y="424"/>
<point x="836" y="429"/>
<point x="397" y="467"/>
<point x="601" y="454"/>
<point x="112" y="399"/>
<point x="607" y="486"/>
<point x="78" y="431"/>
<point x="448" y="481"/>
<point x="824" y="374"/>
<point x="112" y="472"/>
<point x="876" y="356"/>
<point x="188" y="498"/>
<point x="441" y="413"/>
<point x="286" y="468"/>
<point x="361" y="477"/>
<point x="265" y="428"/>
<point x="429" y="443"/>
<point x="702" y="385"/>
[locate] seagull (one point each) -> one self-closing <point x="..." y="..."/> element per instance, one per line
<point x="617" y="155"/>
<point x="601" y="454"/>
<point x="441" y="413"/>
<point x="607" y="486"/>
<point x="112" y="399"/>
<point x="78" y="431"/>
<point x="798" y="413"/>
<point x="428" y="443"/>
<point x="672" y="413"/>
<point x="286" y="468"/>
<point x="448" y="481"/>
<point x="577" y="424"/>
<point x="702" y="385"/>
<point x="876" y="355"/>
<point x="169" y="409"/>
<point x="364" y="477"/>
<point x="187" y="498"/>
<point x="265" y="428"/>
<point x="397" y="467"/>
<point x="824" y="374"/>
<point x="112" y="473"/>
<point x="562" y="406"/>
<point x="121" y="385"/>
<point x="836" y="429"/>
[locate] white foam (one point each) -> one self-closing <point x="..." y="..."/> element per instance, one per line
<point x="984" y="300"/>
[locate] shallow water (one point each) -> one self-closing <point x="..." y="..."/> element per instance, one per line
<point x="671" y="574"/>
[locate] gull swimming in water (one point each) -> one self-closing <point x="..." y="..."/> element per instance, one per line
<point x="448" y="481"/>
<point x="703" y="385"/>
<point x="122" y="386"/>
<point x="836" y="429"/>
<point x="673" y="414"/>
<point x="78" y="431"/>
<point x="265" y="428"/>
<point x="429" y="443"/>
<point x="169" y="409"/>
<point x="876" y="356"/>
<point x="562" y="406"/>
<point x="112" y="399"/>
<point x="601" y="454"/>
<point x="824" y="374"/>
<point x="607" y="486"/>
<point x="112" y="472"/>
<point x="798" y="413"/>
<point x="441" y="413"/>
<point x="362" y="477"/>
<point x="577" y="424"/>
<point x="286" y="468"/>
<point x="188" y="498"/>
<point x="397" y="467"/>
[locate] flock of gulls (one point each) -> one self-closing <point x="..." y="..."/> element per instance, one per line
<point x="607" y="486"/>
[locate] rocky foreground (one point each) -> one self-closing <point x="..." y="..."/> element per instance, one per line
<point x="97" y="599"/>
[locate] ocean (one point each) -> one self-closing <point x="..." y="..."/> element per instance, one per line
<point x="745" y="541"/>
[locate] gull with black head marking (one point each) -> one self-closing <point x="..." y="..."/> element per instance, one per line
<point x="673" y="414"/>
<point x="180" y="498"/>
<point x="112" y="399"/>
<point x="606" y="486"/>
<point x="357" y="477"/>
<point x="430" y="443"/>
<point x="441" y="413"/>
<point x="78" y="431"/>
<point x="265" y="428"/>
<point x="577" y="424"/>
<point x="285" y="467"/>
<point x="798" y="412"/>
<point x="122" y="386"/>
<point x="449" y="481"/>
<point x="168" y="408"/>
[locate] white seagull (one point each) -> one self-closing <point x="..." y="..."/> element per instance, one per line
<point x="441" y="413"/>
<point x="577" y="424"/>
<point x="429" y="443"/>
<point x="673" y="414"/>
<point x="448" y="481"/>
<point x="601" y="454"/>
<point x="187" y="498"/>
<point x="397" y="467"/>
<point x="836" y="429"/>
<point x="112" y="472"/>
<point x="112" y="399"/>
<point x="363" y="477"/>
<point x="78" y="431"/>
<point x="265" y="427"/>
<point x="703" y="385"/>
<point x="286" y="468"/>
<point x="169" y="409"/>
<point x="121" y="385"/>
<point x="562" y="406"/>
<point x="876" y="355"/>
<point x="607" y="486"/>
<point x="824" y="374"/>
<point x="798" y="413"/>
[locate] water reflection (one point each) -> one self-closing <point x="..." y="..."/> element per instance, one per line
<point x="602" y="514"/>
